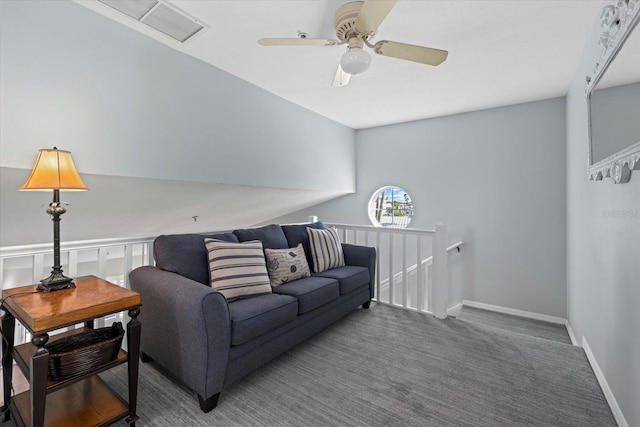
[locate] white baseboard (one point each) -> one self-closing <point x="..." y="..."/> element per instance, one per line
<point x="608" y="394"/>
<point x="513" y="311"/>
<point x="455" y="310"/>
<point x="574" y="341"/>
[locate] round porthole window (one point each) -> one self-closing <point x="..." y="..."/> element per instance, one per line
<point x="390" y="207"/>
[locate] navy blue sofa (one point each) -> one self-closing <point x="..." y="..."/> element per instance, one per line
<point x="207" y="343"/>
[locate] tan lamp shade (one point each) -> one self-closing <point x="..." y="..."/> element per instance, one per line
<point x="54" y="170"/>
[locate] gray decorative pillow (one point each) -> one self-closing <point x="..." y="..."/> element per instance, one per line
<point x="286" y="265"/>
<point x="326" y="249"/>
<point x="237" y="269"/>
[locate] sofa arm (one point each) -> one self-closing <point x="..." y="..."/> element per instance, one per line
<point x="363" y="256"/>
<point x="186" y="327"/>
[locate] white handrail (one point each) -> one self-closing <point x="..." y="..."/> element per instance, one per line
<point x="383" y="229"/>
<point x="43" y="248"/>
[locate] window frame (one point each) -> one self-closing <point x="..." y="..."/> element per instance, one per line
<point x="378" y="200"/>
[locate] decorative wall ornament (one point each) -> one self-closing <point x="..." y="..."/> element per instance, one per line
<point x="618" y="20"/>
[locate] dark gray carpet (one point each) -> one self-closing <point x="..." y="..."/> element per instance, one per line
<point x="386" y="366"/>
<point x="536" y="328"/>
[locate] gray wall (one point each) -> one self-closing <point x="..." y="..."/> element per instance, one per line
<point x="128" y="106"/>
<point x="496" y="178"/>
<point x="603" y="254"/>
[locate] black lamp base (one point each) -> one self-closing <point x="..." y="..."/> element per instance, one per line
<point x="55" y="282"/>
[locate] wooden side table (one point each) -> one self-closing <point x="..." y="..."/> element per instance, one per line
<point x="83" y="400"/>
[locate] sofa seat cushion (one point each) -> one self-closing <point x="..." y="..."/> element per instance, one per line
<point x="350" y="277"/>
<point x="252" y="317"/>
<point x="311" y="292"/>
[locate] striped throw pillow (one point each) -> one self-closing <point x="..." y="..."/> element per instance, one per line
<point x="326" y="249"/>
<point x="237" y="269"/>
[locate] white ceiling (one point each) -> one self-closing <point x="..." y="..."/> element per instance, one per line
<point x="500" y="53"/>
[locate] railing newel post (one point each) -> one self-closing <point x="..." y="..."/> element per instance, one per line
<point x="421" y="283"/>
<point x="440" y="272"/>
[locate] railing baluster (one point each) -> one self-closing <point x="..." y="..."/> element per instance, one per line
<point x="378" y="265"/>
<point x="102" y="262"/>
<point x="38" y="266"/>
<point x="404" y="271"/>
<point x="147" y="258"/>
<point x="430" y="287"/>
<point x="73" y="263"/>
<point x="420" y="282"/>
<point x="390" y="246"/>
<point x="128" y="264"/>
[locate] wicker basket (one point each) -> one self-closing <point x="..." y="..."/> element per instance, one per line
<point x="81" y="353"/>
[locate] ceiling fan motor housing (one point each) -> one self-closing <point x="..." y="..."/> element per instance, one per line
<point x="345" y="22"/>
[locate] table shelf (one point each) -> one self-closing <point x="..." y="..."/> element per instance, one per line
<point x="88" y="402"/>
<point x="22" y="356"/>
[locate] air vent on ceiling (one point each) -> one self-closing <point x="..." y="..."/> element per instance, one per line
<point x="161" y="16"/>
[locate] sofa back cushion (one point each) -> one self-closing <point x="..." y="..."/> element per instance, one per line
<point x="186" y="254"/>
<point x="238" y="270"/>
<point x="271" y="236"/>
<point x="297" y="234"/>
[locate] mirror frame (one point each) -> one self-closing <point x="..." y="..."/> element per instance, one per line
<point x="618" y="19"/>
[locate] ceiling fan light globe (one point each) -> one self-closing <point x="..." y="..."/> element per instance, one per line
<point x="355" y="61"/>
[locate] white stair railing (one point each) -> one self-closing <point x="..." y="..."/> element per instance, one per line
<point x="110" y="259"/>
<point x="411" y="265"/>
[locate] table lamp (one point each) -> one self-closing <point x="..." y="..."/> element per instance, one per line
<point x="55" y="170"/>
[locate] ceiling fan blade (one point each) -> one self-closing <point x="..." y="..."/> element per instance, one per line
<point x="341" y="78"/>
<point x="372" y="14"/>
<point x="297" y="42"/>
<point x="410" y="52"/>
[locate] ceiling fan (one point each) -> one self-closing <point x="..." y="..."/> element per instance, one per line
<point x="356" y="24"/>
